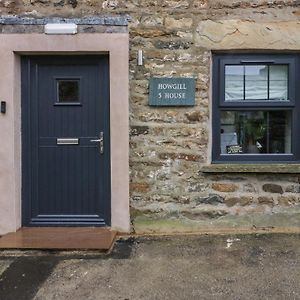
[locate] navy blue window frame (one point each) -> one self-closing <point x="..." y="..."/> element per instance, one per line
<point x="220" y="60"/>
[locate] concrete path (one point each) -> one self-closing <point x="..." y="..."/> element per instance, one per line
<point x="180" y="267"/>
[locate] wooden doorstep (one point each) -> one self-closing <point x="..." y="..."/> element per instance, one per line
<point x="59" y="238"/>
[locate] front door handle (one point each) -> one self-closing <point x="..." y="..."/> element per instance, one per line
<point x="100" y="141"/>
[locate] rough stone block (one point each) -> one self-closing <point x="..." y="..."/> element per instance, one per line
<point x="272" y="188"/>
<point x="176" y="4"/>
<point x="110" y="4"/>
<point x="294" y="188"/>
<point x="265" y="200"/>
<point x="224" y="187"/>
<point x="200" y="4"/>
<point x="173" y="156"/>
<point x="149" y="32"/>
<point x="7" y="3"/>
<point x="139" y="187"/>
<point x="194" y="116"/>
<point x="198" y="214"/>
<point x="196" y="187"/>
<point x="249" y="188"/>
<point x="212" y="199"/>
<point x="178" y="23"/>
<point x="248" y="34"/>
<point x="172" y="45"/>
<point x="286" y="200"/>
<point x="155" y="20"/>
<point x="241" y="200"/>
<point x="139" y="130"/>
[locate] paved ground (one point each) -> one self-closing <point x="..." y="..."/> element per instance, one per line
<point x="182" y="267"/>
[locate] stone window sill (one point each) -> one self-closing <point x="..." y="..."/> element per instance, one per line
<point x="252" y="168"/>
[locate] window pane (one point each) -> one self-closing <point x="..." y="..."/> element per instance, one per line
<point x="256" y="90"/>
<point x="278" y="90"/>
<point x="254" y="132"/>
<point x="279" y="72"/>
<point x="234" y="90"/>
<point x="234" y="83"/>
<point x="256" y="82"/>
<point x="279" y="82"/>
<point x="68" y="90"/>
<point x="234" y="72"/>
<point x="257" y="73"/>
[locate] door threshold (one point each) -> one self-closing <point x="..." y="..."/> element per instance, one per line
<point x="59" y="238"/>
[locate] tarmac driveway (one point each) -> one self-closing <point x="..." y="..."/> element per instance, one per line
<point x="264" y="266"/>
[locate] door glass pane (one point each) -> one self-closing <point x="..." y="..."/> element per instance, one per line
<point x="234" y="83"/>
<point x="256" y="82"/>
<point x="255" y="132"/>
<point x="68" y="91"/>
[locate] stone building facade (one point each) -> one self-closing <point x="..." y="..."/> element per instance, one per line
<point x="174" y="186"/>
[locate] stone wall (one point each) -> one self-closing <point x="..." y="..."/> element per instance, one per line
<point x="169" y="146"/>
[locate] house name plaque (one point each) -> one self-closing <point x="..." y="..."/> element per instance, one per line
<point x="172" y="91"/>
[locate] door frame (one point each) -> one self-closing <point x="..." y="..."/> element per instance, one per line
<point x="13" y="46"/>
<point x="30" y="70"/>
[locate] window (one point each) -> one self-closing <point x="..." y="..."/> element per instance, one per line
<point x="255" y="108"/>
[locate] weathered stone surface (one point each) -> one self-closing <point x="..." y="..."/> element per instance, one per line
<point x="172" y="45"/>
<point x="139" y="187"/>
<point x="21" y="29"/>
<point x="212" y="199"/>
<point x="294" y="188"/>
<point x="110" y="4"/>
<point x="194" y="116"/>
<point x="247" y="34"/>
<point x="137" y="212"/>
<point x="149" y="32"/>
<point x="183" y="156"/>
<point x="196" y="187"/>
<point x="152" y="20"/>
<point x="138" y="130"/>
<point x="200" y="4"/>
<point x="249" y="188"/>
<point x="224" y="187"/>
<point x="176" y="4"/>
<point x="286" y="200"/>
<point x="112" y="20"/>
<point x="73" y="3"/>
<point x="273" y="188"/>
<point x="265" y="200"/>
<point x="100" y="29"/>
<point x="199" y="214"/>
<point x="180" y="23"/>
<point x="242" y="200"/>
<point x="7" y="3"/>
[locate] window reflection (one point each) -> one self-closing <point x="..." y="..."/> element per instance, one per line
<point x="256" y="82"/>
<point x="255" y="132"/>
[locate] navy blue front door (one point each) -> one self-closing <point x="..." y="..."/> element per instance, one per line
<point x="65" y="141"/>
